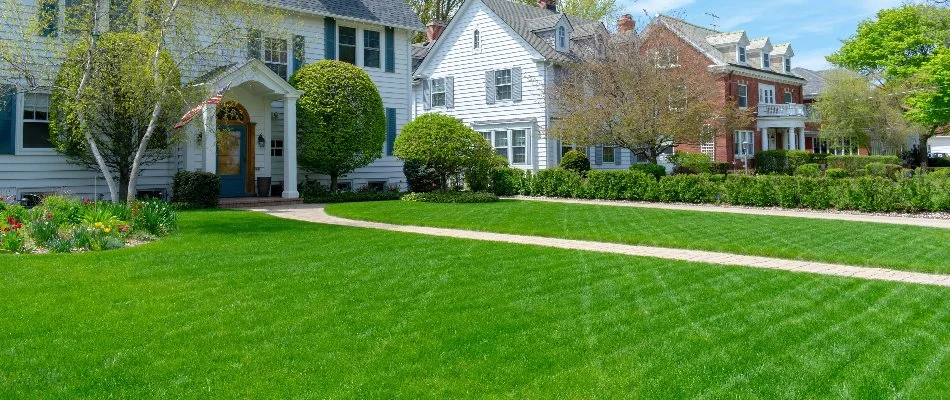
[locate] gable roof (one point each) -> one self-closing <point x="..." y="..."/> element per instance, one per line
<point x="396" y="13"/>
<point x="815" y="81"/>
<point x="528" y="21"/>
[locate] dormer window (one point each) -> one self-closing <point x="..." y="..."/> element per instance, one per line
<point x="766" y="62"/>
<point x="476" y="40"/>
<point x="561" y="38"/>
<point x="740" y="53"/>
<point x="788" y="65"/>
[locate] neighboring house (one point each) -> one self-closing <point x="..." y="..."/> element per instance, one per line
<point x="372" y="34"/>
<point x="493" y="67"/>
<point x="754" y="73"/>
<point x="939" y="145"/>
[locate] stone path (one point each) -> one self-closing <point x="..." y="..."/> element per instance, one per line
<point x="884" y="219"/>
<point x="316" y="213"/>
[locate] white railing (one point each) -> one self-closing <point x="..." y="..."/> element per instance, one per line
<point x="781" y="110"/>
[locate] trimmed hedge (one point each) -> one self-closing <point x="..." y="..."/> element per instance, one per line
<point x="856" y="165"/>
<point x="192" y="189"/>
<point x="315" y="193"/>
<point x="443" y="196"/>
<point x="619" y="185"/>
<point x="656" y="170"/>
<point x="508" y="181"/>
<point x="781" y="161"/>
<point x="810" y="170"/>
<point x="556" y="182"/>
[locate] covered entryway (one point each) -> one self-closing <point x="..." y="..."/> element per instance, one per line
<point x="239" y="129"/>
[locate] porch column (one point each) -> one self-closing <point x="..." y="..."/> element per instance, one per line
<point x="209" y="138"/>
<point x="290" y="148"/>
<point x="792" y="145"/>
<point x="765" y="139"/>
<point x="801" y="137"/>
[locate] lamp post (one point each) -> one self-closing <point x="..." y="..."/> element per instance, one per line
<point x="745" y="155"/>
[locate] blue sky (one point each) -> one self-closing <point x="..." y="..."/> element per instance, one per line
<point x="815" y="28"/>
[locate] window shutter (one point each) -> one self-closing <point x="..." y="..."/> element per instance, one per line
<point x="450" y="92"/>
<point x="426" y="94"/>
<point x="598" y="155"/>
<point x="49" y="17"/>
<point x="7" y="119"/>
<point x="618" y="152"/>
<point x="329" y="38"/>
<point x="489" y="87"/>
<point x="390" y="130"/>
<point x="254" y="42"/>
<point x="300" y="44"/>
<point x="516" y="84"/>
<point x="390" y="50"/>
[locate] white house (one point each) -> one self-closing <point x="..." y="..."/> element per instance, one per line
<point x="372" y="34"/>
<point x="493" y="67"/>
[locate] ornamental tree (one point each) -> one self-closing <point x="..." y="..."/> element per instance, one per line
<point x="341" y="124"/>
<point x="114" y="110"/>
<point x="444" y="144"/>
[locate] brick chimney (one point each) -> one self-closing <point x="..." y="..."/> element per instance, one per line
<point x="548" y="4"/>
<point x="625" y="24"/>
<point x="434" y="29"/>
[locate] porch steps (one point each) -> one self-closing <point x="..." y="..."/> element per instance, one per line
<point x="251" y="202"/>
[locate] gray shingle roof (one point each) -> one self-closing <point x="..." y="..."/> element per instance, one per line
<point x="395" y="13"/>
<point x="527" y="20"/>
<point x="815" y="81"/>
<point x="419" y="53"/>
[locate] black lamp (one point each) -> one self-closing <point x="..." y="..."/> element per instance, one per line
<point x="260" y="140"/>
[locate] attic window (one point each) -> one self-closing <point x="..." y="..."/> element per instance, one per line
<point x="740" y="53"/>
<point x="788" y="65"/>
<point x="476" y="40"/>
<point x="561" y="38"/>
<point x="766" y="62"/>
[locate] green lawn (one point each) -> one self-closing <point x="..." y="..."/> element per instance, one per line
<point x="855" y="243"/>
<point x="242" y="305"/>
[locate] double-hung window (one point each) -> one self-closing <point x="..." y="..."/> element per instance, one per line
<point x="766" y="62"/>
<point x="476" y="40"/>
<point x="275" y="56"/>
<point x="742" y="96"/>
<point x="36" y="121"/>
<point x="788" y="65"/>
<point x="788" y="97"/>
<point x="740" y="54"/>
<point x="561" y="38"/>
<point x="347" y="45"/>
<point x="371" y="49"/>
<point x="501" y="144"/>
<point x="519" y="146"/>
<point x="512" y="144"/>
<point x="744" y="143"/>
<point x="438" y="92"/>
<point x="503" y="84"/>
<point x="609" y="155"/>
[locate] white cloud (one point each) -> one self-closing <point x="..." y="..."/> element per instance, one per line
<point x="656" y="6"/>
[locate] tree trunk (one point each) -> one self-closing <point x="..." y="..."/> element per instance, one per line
<point x="143" y="146"/>
<point x="922" y="152"/>
<point x="334" y="178"/>
<point x="123" y="185"/>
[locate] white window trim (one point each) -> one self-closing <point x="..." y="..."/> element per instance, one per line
<point x="20" y="150"/>
<point x="561" y="33"/>
<point x="528" y="148"/>
<point x="287" y="48"/>
<point x="477" y="40"/>
<point x="511" y="96"/>
<point x="746" y="86"/>
<point x="432" y="93"/>
<point x="788" y="97"/>
<point x="741" y="55"/>
<point x="738" y="134"/>
<point x="613" y="154"/>
<point x="359" y="57"/>
<point x="787" y="65"/>
<point x="361" y="46"/>
<point x="762" y="97"/>
<point x="766" y="62"/>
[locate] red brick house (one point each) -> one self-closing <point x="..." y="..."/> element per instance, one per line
<point x="755" y="74"/>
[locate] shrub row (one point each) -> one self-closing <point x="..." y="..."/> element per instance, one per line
<point x="870" y="194"/>
<point x="315" y="192"/>
<point x="444" y="196"/>
<point x="857" y="165"/>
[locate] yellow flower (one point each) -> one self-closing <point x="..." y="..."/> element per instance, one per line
<point x="98" y="224"/>
<point x="107" y="230"/>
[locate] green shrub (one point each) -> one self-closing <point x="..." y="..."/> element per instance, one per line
<point x="942" y="172"/>
<point x="444" y="144"/>
<point x="64" y="210"/>
<point x="619" y="185"/>
<point x="817" y="193"/>
<point x="890" y="171"/>
<point x="781" y="161"/>
<point x="925" y="193"/>
<point x="808" y="170"/>
<point x="855" y="165"/>
<point x="836" y="173"/>
<point x="692" y="163"/>
<point x="478" y="176"/>
<point x="445" y="196"/>
<point x="420" y="177"/>
<point x="872" y="194"/>
<point x="743" y="190"/>
<point x="797" y="158"/>
<point x="686" y="189"/>
<point x="556" y="182"/>
<point x="658" y="171"/>
<point x="196" y="189"/>
<point x="507" y="181"/>
<point x="314" y="192"/>
<point x="576" y="161"/>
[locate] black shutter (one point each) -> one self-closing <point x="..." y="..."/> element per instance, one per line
<point x="7" y="119"/>
<point x="299" y="52"/>
<point x="329" y="27"/>
<point x="390" y="130"/>
<point x="390" y="50"/>
<point x="255" y="40"/>
<point x="49" y="17"/>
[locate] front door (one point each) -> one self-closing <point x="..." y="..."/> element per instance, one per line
<point x="232" y="159"/>
<point x="772" y="141"/>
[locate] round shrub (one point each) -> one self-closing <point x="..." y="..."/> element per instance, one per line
<point x="576" y="161"/>
<point x="693" y="163"/>
<point x="341" y="124"/>
<point x="836" y="173"/>
<point x="808" y="170"/>
<point x="446" y="196"/>
<point x="192" y="189"/>
<point x="658" y="171"/>
<point x="882" y="170"/>
<point x="444" y="144"/>
<point x="508" y="181"/>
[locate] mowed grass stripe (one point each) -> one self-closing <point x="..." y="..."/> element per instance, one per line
<point x="900" y="247"/>
<point x="244" y="305"/>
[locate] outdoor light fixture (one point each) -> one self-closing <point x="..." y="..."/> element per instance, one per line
<point x="260" y="140"/>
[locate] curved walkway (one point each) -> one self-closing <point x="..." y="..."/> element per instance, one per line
<point x="316" y="213"/>
<point x="829" y="215"/>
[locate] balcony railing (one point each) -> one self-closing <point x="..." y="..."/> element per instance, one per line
<point x="781" y="110"/>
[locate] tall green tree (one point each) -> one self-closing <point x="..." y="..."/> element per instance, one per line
<point x="905" y="48"/>
<point x="341" y="124"/>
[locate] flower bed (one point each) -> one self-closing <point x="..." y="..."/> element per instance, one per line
<point x="63" y="225"/>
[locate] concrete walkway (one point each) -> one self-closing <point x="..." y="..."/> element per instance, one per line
<point x="316" y="213"/>
<point x="883" y="219"/>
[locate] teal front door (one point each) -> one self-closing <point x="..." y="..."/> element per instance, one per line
<point x="232" y="160"/>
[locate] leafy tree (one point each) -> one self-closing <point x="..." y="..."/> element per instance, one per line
<point x="434" y="11"/>
<point x="904" y="50"/>
<point x="596" y="10"/>
<point x="116" y="104"/>
<point x="341" y="124"/>
<point x="639" y="95"/>
<point x="175" y="29"/>
<point x="444" y="144"/>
